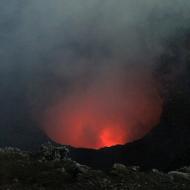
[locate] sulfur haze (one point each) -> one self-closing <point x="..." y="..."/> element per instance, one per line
<point x="82" y="71"/>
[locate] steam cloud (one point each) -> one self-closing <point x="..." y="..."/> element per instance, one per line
<point x="84" y="69"/>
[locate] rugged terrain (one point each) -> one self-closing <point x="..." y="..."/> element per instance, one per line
<point x="51" y="168"/>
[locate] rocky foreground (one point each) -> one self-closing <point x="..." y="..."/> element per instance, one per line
<point x="51" y="168"/>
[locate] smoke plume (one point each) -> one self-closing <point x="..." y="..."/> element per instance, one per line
<point x="84" y="69"/>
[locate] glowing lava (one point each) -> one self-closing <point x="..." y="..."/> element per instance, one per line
<point x="107" y="113"/>
<point x="112" y="135"/>
<point x="82" y="128"/>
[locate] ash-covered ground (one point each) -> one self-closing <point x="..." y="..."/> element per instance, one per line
<point x="52" y="168"/>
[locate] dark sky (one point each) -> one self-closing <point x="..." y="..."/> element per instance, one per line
<point x="51" y="51"/>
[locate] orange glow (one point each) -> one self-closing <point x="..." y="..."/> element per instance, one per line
<point x="85" y="129"/>
<point x="106" y="114"/>
<point x="112" y="136"/>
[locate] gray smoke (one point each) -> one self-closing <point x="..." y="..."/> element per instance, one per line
<point x="52" y="50"/>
